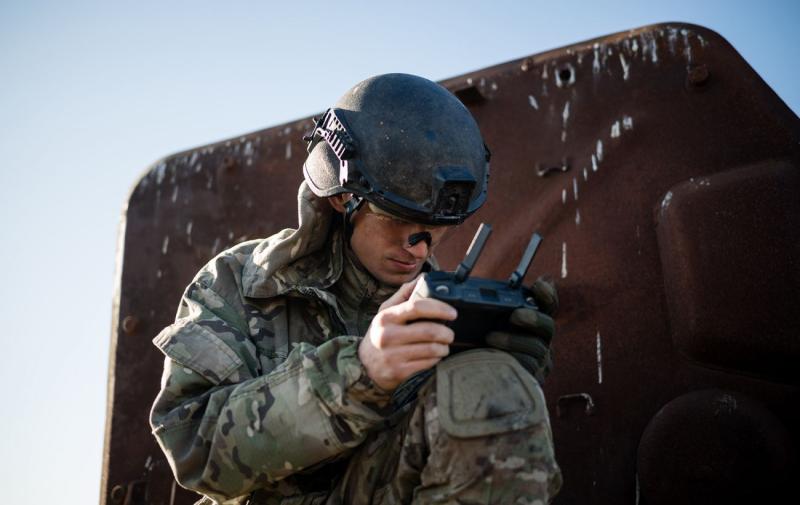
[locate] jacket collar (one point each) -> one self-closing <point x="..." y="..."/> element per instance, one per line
<point x="309" y="258"/>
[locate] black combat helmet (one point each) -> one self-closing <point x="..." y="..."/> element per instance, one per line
<point x="404" y="143"/>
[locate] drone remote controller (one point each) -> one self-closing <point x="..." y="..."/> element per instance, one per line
<point x="483" y="305"/>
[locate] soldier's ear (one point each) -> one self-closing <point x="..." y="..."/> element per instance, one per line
<point x="338" y="201"/>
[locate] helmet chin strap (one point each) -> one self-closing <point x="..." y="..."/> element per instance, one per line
<point x="350" y="208"/>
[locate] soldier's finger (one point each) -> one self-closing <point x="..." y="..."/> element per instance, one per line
<point x="418" y="332"/>
<point x="424" y="308"/>
<point x="535" y="322"/>
<point x="401" y="295"/>
<point x="545" y="294"/>
<point x="525" y="344"/>
<point x="421" y="351"/>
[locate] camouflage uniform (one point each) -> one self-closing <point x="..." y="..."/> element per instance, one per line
<point x="263" y="397"/>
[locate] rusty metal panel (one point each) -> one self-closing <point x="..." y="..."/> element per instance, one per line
<point x="662" y="173"/>
<point x="702" y="224"/>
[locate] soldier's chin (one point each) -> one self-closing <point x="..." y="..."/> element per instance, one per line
<point x="397" y="279"/>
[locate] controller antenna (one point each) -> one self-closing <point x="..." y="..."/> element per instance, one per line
<point x="474" y="251"/>
<point x="525" y="262"/>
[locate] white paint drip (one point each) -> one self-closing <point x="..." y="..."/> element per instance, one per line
<point x="198" y="168"/>
<point x="644" y="46"/>
<point x="544" y="71"/>
<point x="248" y="149"/>
<point x="672" y="38"/>
<point x="596" y="61"/>
<point x="563" y="135"/>
<point x="594" y="163"/>
<point x="627" y="122"/>
<point x="687" y="47"/>
<point x="159" y="273"/>
<point x="625" y="67"/>
<point x="565" y="115"/>
<point x="165" y="245"/>
<point x="649" y="47"/>
<point x="635" y="46"/>
<point x="533" y="102"/>
<point x="653" y="50"/>
<point x="585" y="174"/>
<point x="193" y="159"/>
<point x="215" y="247"/>
<point x="160" y="169"/>
<point x="564" y="195"/>
<point x="615" y="130"/>
<point x="563" y="260"/>
<point x="575" y="188"/>
<point x="666" y="201"/>
<point x="175" y="194"/>
<point x="599" y="359"/>
<point x="599" y="150"/>
<point x="577" y="217"/>
<point x="288" y="150"/>
<point x="189" y="228"/>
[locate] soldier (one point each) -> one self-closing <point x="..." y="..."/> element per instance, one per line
<point x="298" y="371"/>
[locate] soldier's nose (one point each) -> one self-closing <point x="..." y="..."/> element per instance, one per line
<point x="423" y="236"/>
<point x="418" y="244"/>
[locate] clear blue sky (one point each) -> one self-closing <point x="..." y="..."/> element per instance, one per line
<point x="92" y="92"/>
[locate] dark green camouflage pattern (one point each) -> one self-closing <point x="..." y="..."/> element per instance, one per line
<point x="264" y="400"/>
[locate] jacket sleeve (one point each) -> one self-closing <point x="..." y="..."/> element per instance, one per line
<point x="228" y="430"/>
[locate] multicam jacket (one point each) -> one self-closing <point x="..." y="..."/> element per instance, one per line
<point x="262" y="385"/>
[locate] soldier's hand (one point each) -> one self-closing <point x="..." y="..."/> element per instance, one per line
<point x="404" y="338"/>
<point x="531" y="332"/>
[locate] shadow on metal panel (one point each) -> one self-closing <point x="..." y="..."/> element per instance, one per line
<point x="663" y="174"/>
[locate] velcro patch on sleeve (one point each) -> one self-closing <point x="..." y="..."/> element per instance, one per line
<point x="197" y="348"/>
<point x="486" y="392"/>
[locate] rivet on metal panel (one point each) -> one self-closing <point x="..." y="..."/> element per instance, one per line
<point x="588" y="410"/>
<point x="697" y="75"/>
<point x="136" y="493"/>
<point x="229" y="163"/>
<point x="545" y="170"/>
<point x="117" y="494"/>
<point x="129" y="324"/>
<point x="565" y="75"/>
<point x="469" y="94"/>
